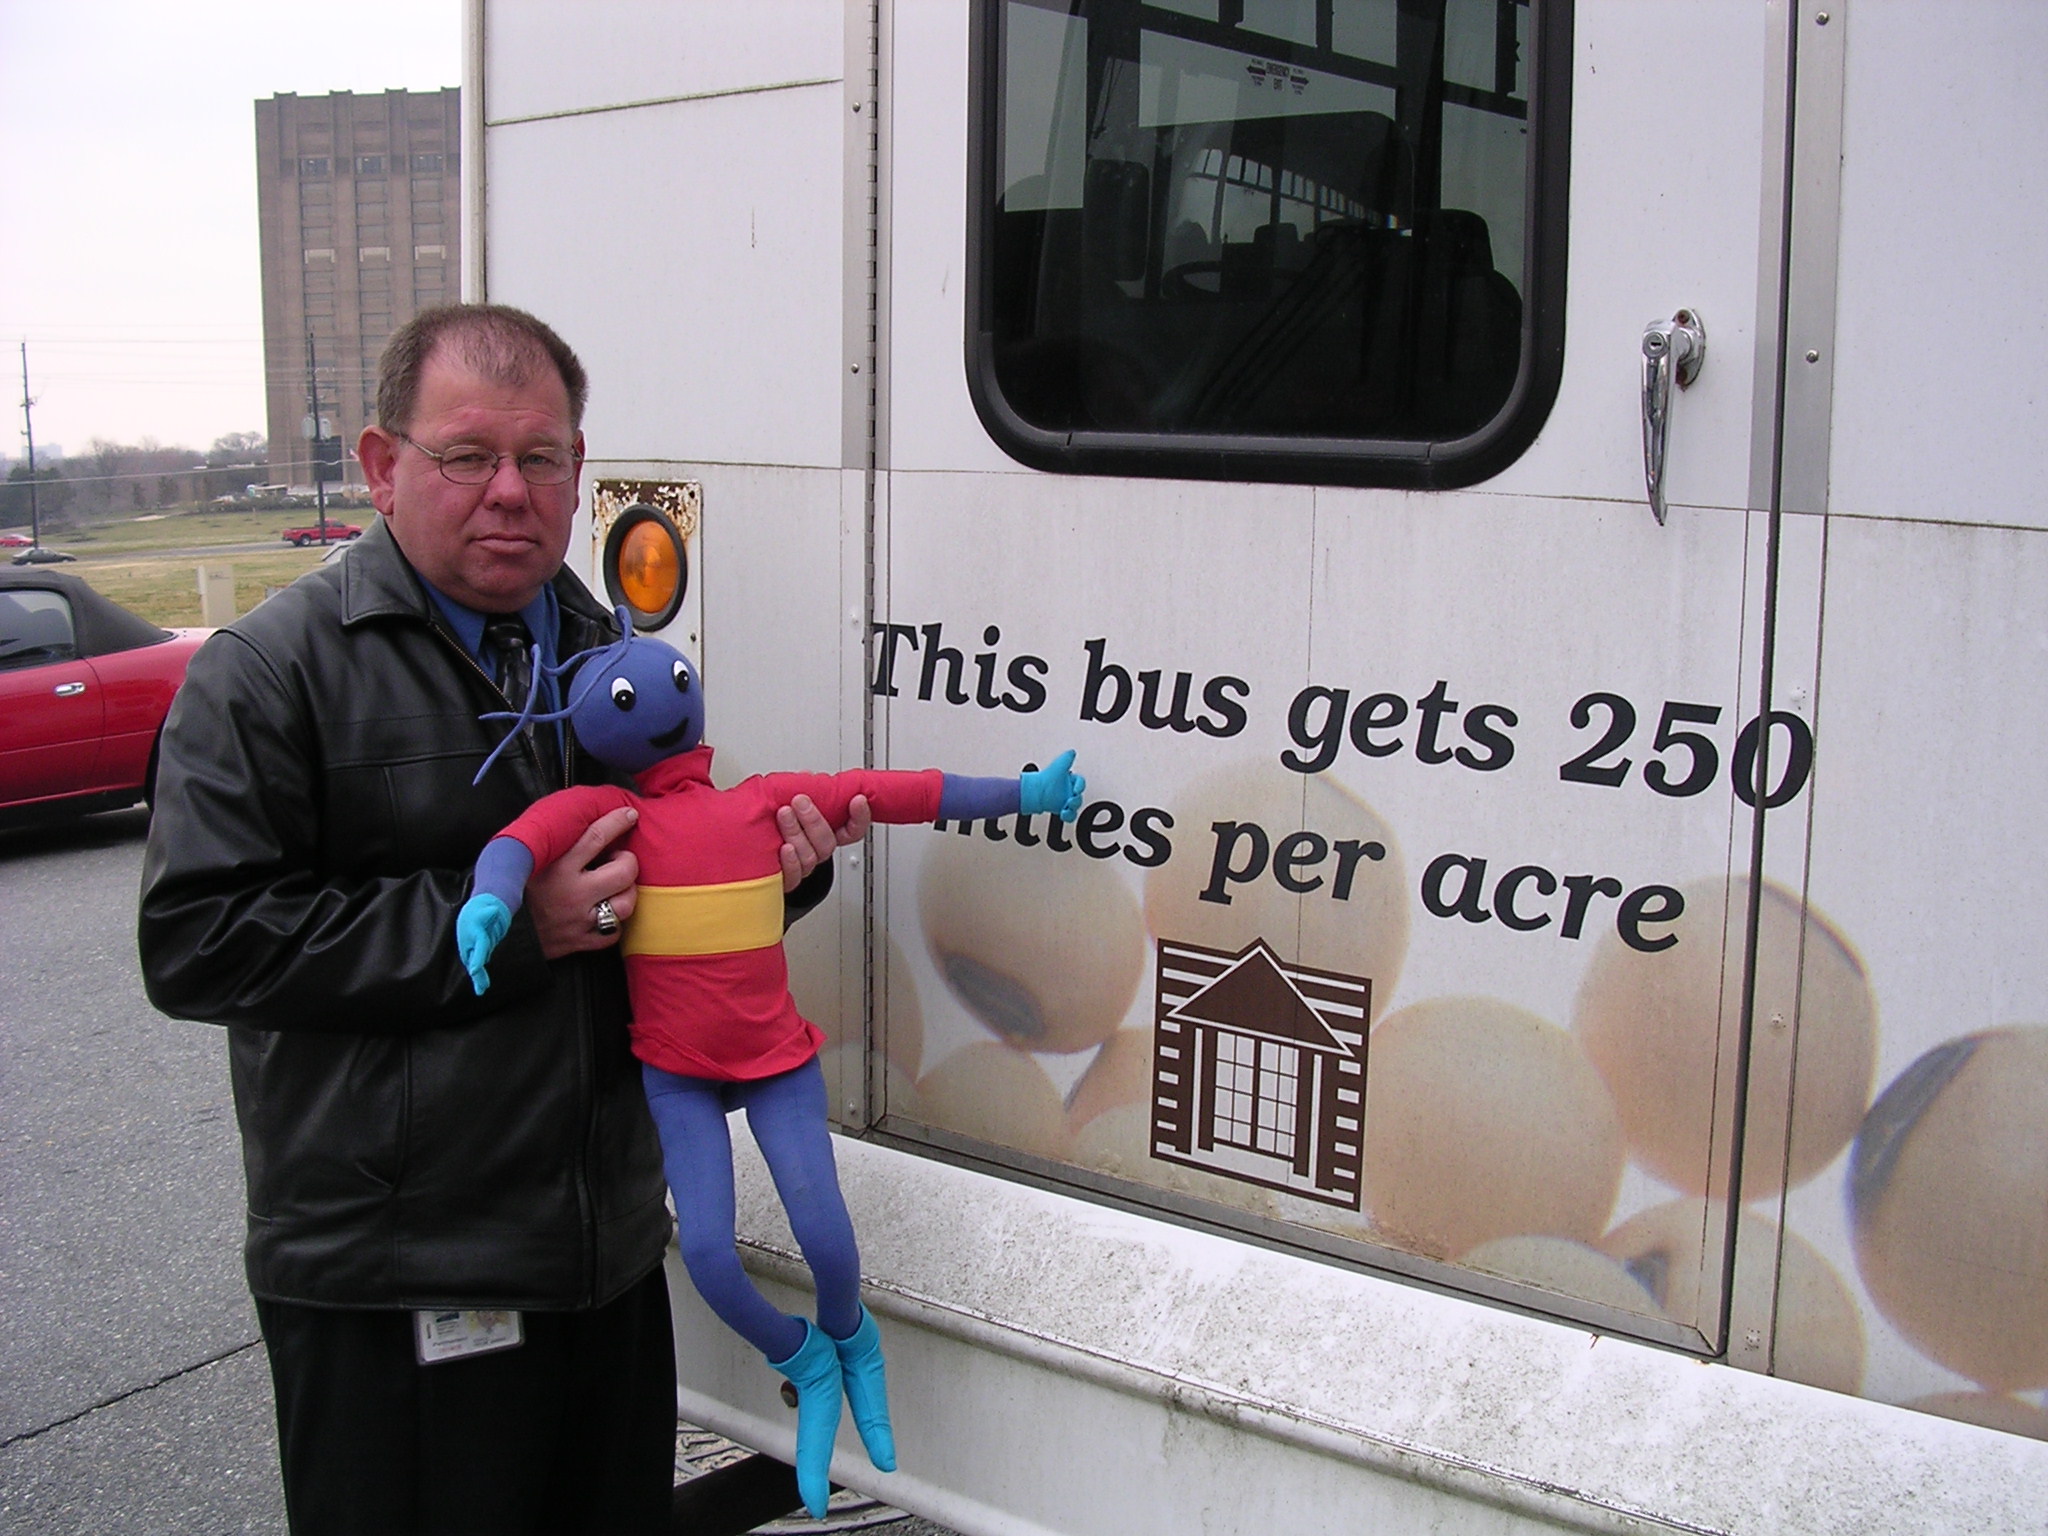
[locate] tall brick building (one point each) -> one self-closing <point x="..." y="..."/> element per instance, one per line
<point x="359" y="202"/>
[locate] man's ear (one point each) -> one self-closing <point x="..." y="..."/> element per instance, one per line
<point x="377" y="452"/>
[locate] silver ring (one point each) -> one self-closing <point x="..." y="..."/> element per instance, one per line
<point x="607" y="919"/>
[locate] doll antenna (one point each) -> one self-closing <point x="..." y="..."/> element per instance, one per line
<point x="527" y="715"/>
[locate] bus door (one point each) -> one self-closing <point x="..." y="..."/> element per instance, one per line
<point x="1320" y="358"/>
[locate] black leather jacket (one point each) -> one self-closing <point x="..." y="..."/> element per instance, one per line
<point x="406" y="1143"/>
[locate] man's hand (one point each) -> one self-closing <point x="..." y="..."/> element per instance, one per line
<point x="808" y="839"/>
<point x="563" y="896"/>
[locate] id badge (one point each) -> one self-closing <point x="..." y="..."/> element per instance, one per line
<point x="452" y="1335"/>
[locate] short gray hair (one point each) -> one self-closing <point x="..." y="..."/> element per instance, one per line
<point x="495" y="340"/>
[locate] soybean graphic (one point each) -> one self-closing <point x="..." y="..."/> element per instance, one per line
<point x="1483" y="1121"/>
<point x="1658" y="1026"/>
<point x="1948" y="1202"/>
<point x="1675" y="1250"/>
<point x="1045" y="950"/>
<point x="1305" y="864"/>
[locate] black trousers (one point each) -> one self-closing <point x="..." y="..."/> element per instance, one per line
<point x="572" y="1431"/>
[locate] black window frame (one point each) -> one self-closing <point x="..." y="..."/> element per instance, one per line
<point x="99" y="625"/>
<point x="17" y="653"/>
<point x="1405" y="464"/>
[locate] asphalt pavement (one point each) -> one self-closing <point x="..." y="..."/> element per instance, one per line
<point x="134" y="1394"/>
<point x="86" y="555"/>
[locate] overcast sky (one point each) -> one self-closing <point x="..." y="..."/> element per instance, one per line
<point x="128" y="258"/>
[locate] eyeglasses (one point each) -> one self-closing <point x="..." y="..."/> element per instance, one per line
<point x="467" y="464"/>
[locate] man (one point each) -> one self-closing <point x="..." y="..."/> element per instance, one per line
<point x="416" y="1155"/>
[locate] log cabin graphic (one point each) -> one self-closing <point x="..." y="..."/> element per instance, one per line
<point x="1258" y="1070"/>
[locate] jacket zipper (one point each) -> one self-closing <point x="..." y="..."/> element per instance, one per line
<point x="586" y="1024"/>
<point x="586" y="1090"/>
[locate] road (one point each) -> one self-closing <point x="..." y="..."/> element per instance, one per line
<point x="88" y="556"/>
<point x="134" y="1396"/>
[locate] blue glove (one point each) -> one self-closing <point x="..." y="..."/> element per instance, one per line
<point x="479" y="927"/>
<point x="1055" y="787"/>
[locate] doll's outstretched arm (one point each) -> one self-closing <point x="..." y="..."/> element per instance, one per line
<point x="1056" y="788"/>
<point x="501" y="874"/>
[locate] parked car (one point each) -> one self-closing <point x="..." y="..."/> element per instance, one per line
<point x="84" y="688"/>
<point x="310" y="534"/>
<point x="15" y="541"/>
<point x="35" y="554"/>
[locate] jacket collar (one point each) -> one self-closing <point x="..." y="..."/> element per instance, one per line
<point x="377" y="581"/>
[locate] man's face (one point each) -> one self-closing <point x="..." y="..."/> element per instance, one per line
<point x="490" y="547"/>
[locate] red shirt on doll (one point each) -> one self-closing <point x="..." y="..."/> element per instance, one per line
<point x="704" y="962"/>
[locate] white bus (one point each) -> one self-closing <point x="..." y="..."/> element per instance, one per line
<point x="1531" y="514"/>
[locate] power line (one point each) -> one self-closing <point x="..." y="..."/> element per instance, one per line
<point x="41" y="330"/>
<point x="125" y="342"/>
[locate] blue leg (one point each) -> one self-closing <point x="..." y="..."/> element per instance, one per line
<point x="787" y="1116"/>
<point x="689" y="1114"/>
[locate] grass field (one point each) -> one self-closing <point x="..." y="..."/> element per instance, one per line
<point x="165" y="589"/>
<point x="134" y="560"/>
<point x="179" y="530"/>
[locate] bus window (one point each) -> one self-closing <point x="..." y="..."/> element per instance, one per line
<point x="1315" y="240"/>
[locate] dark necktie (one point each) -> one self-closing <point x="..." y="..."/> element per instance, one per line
<point x="511" y="649"/>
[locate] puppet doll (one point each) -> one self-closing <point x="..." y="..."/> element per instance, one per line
<point x="714" y="1025"/>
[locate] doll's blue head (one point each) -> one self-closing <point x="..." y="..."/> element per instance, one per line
<point x="637" y="702"/>
<point x="634" y="702"/>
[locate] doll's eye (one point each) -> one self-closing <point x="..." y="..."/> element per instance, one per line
<point x="681" y="673"/>
<point x="622" y="693"/>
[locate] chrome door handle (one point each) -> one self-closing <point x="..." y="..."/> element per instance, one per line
<point x="68" y="690"/>
<point x="1671" y="348"/>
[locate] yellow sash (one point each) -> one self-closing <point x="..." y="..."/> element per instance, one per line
<point x="706" y="919"/>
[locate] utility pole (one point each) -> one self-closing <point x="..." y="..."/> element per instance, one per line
<point x="35" y="521"/>
<point x="318" y="434"/>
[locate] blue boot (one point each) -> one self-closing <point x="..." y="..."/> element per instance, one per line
<point x="860" y="1361"/>
<point x="814" y="1371"/>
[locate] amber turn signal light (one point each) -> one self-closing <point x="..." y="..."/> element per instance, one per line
<point x="645" y="566"/>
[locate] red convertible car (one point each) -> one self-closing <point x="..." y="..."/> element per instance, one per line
<point x="84" y="688"/>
